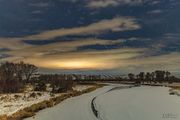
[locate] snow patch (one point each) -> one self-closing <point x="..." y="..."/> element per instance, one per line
<point x="81" y="87"/>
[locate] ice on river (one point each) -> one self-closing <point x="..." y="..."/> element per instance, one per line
<point x="139" y="103"/>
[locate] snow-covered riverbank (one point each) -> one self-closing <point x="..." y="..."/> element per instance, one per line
<point x="139" y="103"/>
<point x="11" y="103"/>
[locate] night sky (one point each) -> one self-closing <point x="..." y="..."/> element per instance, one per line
<point x="92" y="36"/>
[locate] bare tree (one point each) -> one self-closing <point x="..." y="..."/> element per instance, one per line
<point x="29" y="71"/>
<point x="9" y="80"/>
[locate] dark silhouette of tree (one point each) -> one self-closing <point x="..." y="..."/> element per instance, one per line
<point x="160" y="75"/>
<point x="12" y="75"/>
<point x="148" y="77"/>
<point x="29" y="71"/>
<point x="131" y="76"/>
<point x="167" y="78"/>
<point x="157" y="76"/>
<point x="141" y="76"/>
<point x="153" y="77"/>
<point x="59" y="83"/>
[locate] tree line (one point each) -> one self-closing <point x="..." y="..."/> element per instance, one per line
<point x="156" y="76"/>
<point x="14" y="77"/>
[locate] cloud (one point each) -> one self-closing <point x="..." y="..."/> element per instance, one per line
<point x="120" y="59"/>
<point x="155" y="2"/>
<point x="115" y="24"/>
<point x="155" y="11"/>
<point x="102" y="4"/>
<point x="64" y="55"/>
<point x="96" y="4"/>
<point x="162" y="62"/>
<point x="167" y="43"/>
<point x="12" y="43"/>
<point x="96" y="60"/>
<point x="59" y="47"/>
<point x="36" y="12"/>
<point x="39" y="4"/>
<point x="19" y="50"/>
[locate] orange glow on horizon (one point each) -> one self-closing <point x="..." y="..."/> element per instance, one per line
<point x="76" y="65"/>
<point x="71" y="64"/>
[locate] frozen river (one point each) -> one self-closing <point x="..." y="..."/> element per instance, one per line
<point x="137" y="103"/>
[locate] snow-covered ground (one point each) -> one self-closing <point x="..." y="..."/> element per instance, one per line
<point x="11" y="103"/>
<point x="138" y="103"/>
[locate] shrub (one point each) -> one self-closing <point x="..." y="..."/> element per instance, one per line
<point x="33" y="95"/>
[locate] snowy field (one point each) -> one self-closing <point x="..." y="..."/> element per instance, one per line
<point x="11" y="103"/>
<point x="138" y="103"/>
